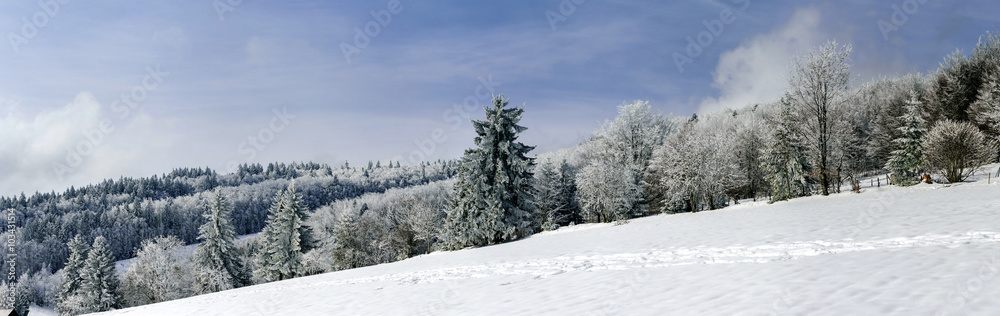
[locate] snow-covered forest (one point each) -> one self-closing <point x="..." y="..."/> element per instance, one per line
<point x="824" y="136"/>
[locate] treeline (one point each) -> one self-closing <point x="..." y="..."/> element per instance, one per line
<point x="820" y="138"/>
<point x="129" y="211"/>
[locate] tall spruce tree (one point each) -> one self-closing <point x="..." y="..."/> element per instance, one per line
<point x="784" y="159"/>
<point x="492" y="201"/>
<point x="100" y="279"/>
<point x="218" y="266"/>
<point x="69" y="300"/>
<point x="285" y="239"/>
<point x="907" y="162"/>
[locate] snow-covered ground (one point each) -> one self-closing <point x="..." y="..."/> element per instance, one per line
<point x="923" y="250"/>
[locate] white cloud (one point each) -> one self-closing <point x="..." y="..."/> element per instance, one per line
<point x="32" y="149"/>
<point x="757" y="70"/>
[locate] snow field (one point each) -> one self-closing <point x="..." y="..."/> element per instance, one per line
<point x="923" y="250"/>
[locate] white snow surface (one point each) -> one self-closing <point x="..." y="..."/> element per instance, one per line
<point x="923" y="250"/>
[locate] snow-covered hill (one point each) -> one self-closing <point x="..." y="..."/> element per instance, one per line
<point x="928" y="249"/>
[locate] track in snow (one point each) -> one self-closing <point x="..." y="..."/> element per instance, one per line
<point x="666" y="258"/>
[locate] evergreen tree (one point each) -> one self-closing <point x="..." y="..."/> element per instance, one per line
<point x="100" y="280"/>
<point x="69" y="298"/>
<point x="22" y="294"/>
<point x="569" y="210"/>
<point x="906" y="163"/>
<point x="554" y="190"/>
<point x="216" y="259"/>
<point x="784" y="159"/>
<point x="352" y="244"/>
<point x="285" y="239"/>
<point x="492" y="202"/>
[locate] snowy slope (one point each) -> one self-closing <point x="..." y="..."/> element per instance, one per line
<point x="923" y="250"/>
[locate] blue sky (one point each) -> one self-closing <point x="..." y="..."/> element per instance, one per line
<point x="215" y="77"/>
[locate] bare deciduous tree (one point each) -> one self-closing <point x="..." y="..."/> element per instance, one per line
<point x="819" y="80"/>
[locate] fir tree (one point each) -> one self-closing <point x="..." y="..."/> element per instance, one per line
<point x="492" y="202"/>
<point x="69" y="299"/>
<point x="906" y="163"/>
<point x="784" y="159"/>
<point x="22" y="295"/>
<point x="285" y="239"/>
<point x="351" y="243"/>
<point x="218" y="266"/>
<point x="554" y="195"/>
<point x="100" y="280"/>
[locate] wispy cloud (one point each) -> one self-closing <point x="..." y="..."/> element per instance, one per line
<point x="757" y="71"/>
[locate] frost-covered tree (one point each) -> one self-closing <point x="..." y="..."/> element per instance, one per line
<point x="630" y="140"/>
<point x="353" y="241"/>
<point x="158" y="273"/>
<point x="23" y="295"/>
<point x="555" y="190"/>
<point x="957" y="150"/>
<point x="954" y="89"/>
<point x="749" y="138"/>
<point x="608" y="192"/>
<point x="819" y="81"/>
<point x="784" y="158"/>
<point x="99" y="288"/>
<point x="697" y="166"/>
<point x="674" y="169"/>
<point x="492" y="201"/>
<point x="284" y="239"/>
<point x="985" y="112"/>
<point x="907" y="162"/>
<point x="69" y="299"/>
<point x="217" y="264"/>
